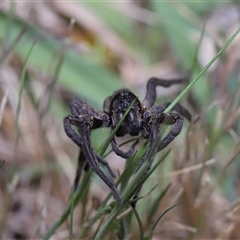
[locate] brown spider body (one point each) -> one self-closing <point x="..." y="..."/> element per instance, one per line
<point x="143" y="120"/>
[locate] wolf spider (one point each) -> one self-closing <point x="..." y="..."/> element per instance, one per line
<point x="143" y="119"/>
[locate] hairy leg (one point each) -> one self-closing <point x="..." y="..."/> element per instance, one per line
<point x="105" y="163"/>
<point x="122" y="154"/>
<point x="176" y="129"/>
<point x="148" y="156"/>
<point x="153" y="83"/>
<point x="177" y="122"/>
<point x="78" y="107"/>
<point x="178" y="108"/>
<point x="81" y="163"/>
<point x="93" y="164"/>
<point x="83" y="141"/>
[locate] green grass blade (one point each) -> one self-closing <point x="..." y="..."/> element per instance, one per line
<point x="118" y="208"/>
<point x="13" y="45"/>
<point x="22" y="81"/>
<point x="71" y="216"/>
<point x="161" y="159"/>
<point x="176" y="100"/>
<point x="155" y="205"/>
<point x="8" y="26"/>
<point x="95" y="234"/>
<point x="139" y="223"/>
<point x="1" y="164"/>
<point x="105" y="144"/>
<point x="159" y="218"/>
<point x="149" y="174"/>
<point x="3" y="104"/>
<point x="176" y="29"/>
<point x="128" y="170"/>
<point x="58" y="68"/>
<point x="81" y="190"/>
<point x="54" y="81"/>
<point x="195" y="58"/>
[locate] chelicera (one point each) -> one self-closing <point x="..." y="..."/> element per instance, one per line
<point x="143" y="119"/>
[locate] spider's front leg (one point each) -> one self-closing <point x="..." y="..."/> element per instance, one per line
<point x="154" y="82"/>
<point x="81" y="157"/>
<point x="84" y="125"/>
<point x="78" y="107"/>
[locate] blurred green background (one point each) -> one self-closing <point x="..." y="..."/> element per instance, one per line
<point x="90" y="49"/>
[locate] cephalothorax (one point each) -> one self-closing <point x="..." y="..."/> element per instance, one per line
<point x="143" y="119"/>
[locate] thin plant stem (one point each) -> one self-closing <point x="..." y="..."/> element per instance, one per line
<point x="177" y="99"/>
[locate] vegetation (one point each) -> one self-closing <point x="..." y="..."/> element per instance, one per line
<point x="52" y="51"/>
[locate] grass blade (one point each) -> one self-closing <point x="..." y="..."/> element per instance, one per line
<point x="71" y="216"/>
<point x="176" y="100"/>
<point x="3" y="104"/>
<point x="98" y="228"/>
<point x="12" y="46"/>
<point x="1" y="164"/>
<point x="22" y="81"/>
<point x="155" y="205"/>
<point x="139" y="223"/>
<point x="71" y="205"/>
<point x="105" y="144"/>
<point x="118" y="208"/>
<point x="159" y="218"/>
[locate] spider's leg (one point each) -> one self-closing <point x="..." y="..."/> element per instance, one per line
<point x="70" y="132"/>
<point x="81" y="158"/>
<point x="94" y="123"/>
<point x="171" y="118"/>
<point x="92" y="161"/>
<point x="81" y="163"/>
<point x="178" y="108"/>
<point x="177" y="121"/>
<point x="153" y="83"/>
<point x="78" y="107"/>
<point x="83" y="142"/>
<point x="120" y="153"/>
<point x="105" y="163"/>
<point x="154" y="132"/>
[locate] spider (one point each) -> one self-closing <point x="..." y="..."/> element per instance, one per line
<point x="143" y="119"/>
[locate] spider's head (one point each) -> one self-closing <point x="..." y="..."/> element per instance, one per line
<point x="117" y="105"/>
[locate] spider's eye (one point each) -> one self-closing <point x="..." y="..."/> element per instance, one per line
<point x="128" y="99"/>
<point x="121" y="101"/>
